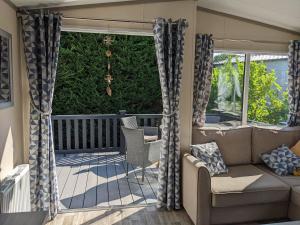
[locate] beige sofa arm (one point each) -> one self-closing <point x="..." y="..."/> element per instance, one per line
<point x="196" y="190"/>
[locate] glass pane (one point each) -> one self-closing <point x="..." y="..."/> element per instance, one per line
<point x="225" y="103"/>
<point x="268" y="94"/>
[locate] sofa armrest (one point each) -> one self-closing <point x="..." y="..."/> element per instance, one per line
<point x="196" y="189"/>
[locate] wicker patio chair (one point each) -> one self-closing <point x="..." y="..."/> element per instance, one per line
<point x="139" y="151"/>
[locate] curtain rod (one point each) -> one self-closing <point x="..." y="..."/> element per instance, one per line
<point x="108" y="20"/>
<point x="254" y="41"/>
<point x="152" y="22"/>
<point x="111" y="20"/>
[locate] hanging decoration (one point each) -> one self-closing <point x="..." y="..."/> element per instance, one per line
<point x="108" y="42"/>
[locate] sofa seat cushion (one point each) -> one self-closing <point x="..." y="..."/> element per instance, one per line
<point x="294" y="206"/>
<point x="289" y="180"/>
<point x="148" y="138"/>
<point x="295" y="195"/>
<point x="246" y="185"/>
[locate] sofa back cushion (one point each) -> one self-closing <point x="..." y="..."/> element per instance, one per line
<point x="234" y="144"/>
<point x="265" y="140"/>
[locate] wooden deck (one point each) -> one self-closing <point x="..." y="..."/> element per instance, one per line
<point x="99" y="180"/>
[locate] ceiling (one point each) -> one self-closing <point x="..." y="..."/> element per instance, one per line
<point x="280" y="13"/>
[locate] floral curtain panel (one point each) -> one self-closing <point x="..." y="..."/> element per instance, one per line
<point x="41" y="37"/>
<point x="169" y="44"/>
<point x="294" y="84"/>
<point x="202" y="77"/>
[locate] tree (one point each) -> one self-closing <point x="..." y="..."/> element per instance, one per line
<point x="267" y="102"/>
<point x="82" y="66"/>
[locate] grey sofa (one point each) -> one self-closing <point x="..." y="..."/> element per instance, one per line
<point x="250" y="191"/>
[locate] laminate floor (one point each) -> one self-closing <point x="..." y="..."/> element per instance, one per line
<point x="137" y="215"/>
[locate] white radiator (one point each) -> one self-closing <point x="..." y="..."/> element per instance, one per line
<point x="15" y="191"/>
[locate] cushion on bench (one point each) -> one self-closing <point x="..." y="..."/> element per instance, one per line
<point x="246" y="185"/>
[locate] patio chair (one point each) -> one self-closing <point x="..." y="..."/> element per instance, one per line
<point x="150" y="133"/>
<point x="138" y="151"/>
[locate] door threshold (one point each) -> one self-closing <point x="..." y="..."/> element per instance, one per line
<point x="106" y="208"/>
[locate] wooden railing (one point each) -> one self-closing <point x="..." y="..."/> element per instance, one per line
<point x="95" y="132"/>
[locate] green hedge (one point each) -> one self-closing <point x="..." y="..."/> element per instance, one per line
<point x="80" y="86"/>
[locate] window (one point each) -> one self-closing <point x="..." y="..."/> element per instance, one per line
<point x="226" y="98"/>
<point x="257" y="95"/>
<point x="5" y="70"/>
<point x="268" y="95"/>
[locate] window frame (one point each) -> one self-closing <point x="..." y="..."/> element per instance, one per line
<point x="247" y="74"/>
<point x="10" y="102"/>
<point x="246" y="89"/>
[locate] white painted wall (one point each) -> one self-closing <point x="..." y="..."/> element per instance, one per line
<point x="228" y="27"/>
<point x="11" y="135"/>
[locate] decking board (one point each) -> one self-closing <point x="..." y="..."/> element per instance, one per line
<point x="70" y="185"/>
<point x="91" y="185"/>
<point x="135" y="190"/>
<point x="124" y="189"/>
<point x="102" y="186"/>
<point x="113" y="187"/>
<point x="146" y="190"/>
<point x="135" y="186"/>
<point x="78" y="195"/>
<point x="99" y="180"/>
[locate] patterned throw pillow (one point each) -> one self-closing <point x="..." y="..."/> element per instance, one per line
<point x="281" y="160"/>
<point x="210" y="154"/>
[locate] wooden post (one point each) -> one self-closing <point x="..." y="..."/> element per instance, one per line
<point x="122" y="113"/>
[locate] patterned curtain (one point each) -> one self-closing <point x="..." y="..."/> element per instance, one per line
<point x="169" y="44"/>
<point x="202" y="77"/>
<point x="294" y="84"/>
<point x="41" y="37"/>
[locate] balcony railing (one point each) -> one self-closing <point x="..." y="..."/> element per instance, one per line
<point x="95" y="132"/>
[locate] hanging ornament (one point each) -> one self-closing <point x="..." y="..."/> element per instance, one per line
<point x="108" y="78"/>
<point x="108" y="91"/>
<point x="108" y="53"/>
<point x="108" y="42"/>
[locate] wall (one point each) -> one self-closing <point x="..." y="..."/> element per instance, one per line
<point x="229" y="27"/>
<point x="11" y="138"/>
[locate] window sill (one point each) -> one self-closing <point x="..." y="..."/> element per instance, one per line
<point x="237" y="124"/>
